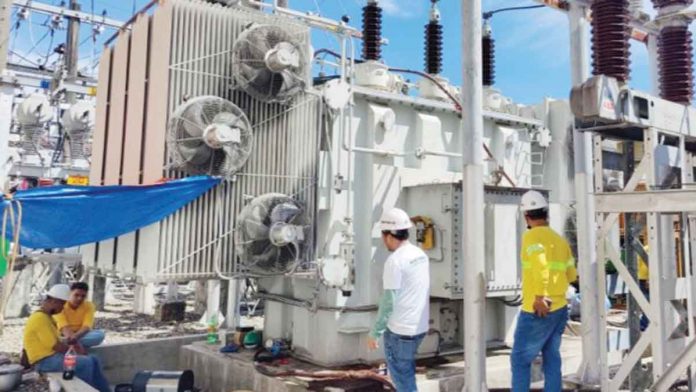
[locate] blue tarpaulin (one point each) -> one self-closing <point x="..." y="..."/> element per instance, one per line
<point x="66" y="216"/>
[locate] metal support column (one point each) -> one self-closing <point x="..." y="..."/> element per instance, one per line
<point x="232" y="313"/>
<point x="72" y="48"/>
<point x="213" y="299"/>
<point x="472" y="199"/>
<point x="5" y="22"/>
<point x="654" y="64"/>
<point x="589" y="372"/>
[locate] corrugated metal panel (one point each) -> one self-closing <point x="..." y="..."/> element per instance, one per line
<point x="197" y="39"/>
<point x="155" y="129"/>
<point x="98" y="141"/>
<point x="114" y="140"/>
<point x="133" y="135"/>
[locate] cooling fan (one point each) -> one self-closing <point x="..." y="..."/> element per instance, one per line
<point x="209" y="135"/>
<point x="271" y="235"/>
<point x="270" y="63"/>
<point x="78" y="122"/>
<point x="33" y="115"/>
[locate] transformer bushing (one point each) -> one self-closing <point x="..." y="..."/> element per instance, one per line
<point x="488" y="56"/>
<point x="610" y="38"/>
<point x="675" y="52"/>
<point x="372" y="32"/>
<point x="433" y="47"/>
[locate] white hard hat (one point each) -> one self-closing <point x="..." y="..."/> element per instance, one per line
<point x="533" y="200"/>
<point x="59" y="291"/>
<point x="395" y="219"/>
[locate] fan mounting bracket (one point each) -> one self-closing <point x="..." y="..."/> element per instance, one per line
<point x="217" y="135"/>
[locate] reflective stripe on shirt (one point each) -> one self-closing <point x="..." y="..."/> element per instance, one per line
<point x="535" y="248"/>
<point x="554" y="265"/>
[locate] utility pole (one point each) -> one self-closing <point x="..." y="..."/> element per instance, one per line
<point x="72" y="48"/>
<point x="471" y="213"/>
<point x="584" y="208"/>
<point x="5" y="23"/>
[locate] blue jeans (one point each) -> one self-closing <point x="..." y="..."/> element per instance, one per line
<point x="93" y="338"/>
<point x="88" y="369"/>
<point x="400" y="352"/>
<point x="535" y="334"/>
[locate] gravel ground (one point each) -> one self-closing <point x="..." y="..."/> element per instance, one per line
<point x="119" y="322"/>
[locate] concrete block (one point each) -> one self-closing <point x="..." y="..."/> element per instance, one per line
<point x="97" y="291"/>
<point x="123" y="360"/>
<point x="144" y="302"/>
<point x="216" y="372"/>
<point x="170" y="311"/>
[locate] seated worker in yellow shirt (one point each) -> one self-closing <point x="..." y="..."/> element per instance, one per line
<point x="45" y="349"/>
<point x="76" y="321"/>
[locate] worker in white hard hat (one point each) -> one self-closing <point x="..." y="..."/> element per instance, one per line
<point x="548" y="267"/>
<point x="44" y="349"/>
<point x="404" y="308"/>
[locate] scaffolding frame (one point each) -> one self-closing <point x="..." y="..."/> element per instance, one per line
<point x="670" y="304"/>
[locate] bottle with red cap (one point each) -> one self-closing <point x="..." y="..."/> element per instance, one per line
<point x="69" y="363"/>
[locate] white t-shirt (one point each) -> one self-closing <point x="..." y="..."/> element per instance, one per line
<point x="407" y="271"/>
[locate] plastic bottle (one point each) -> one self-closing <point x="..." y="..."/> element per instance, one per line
<point x="212" y="330"/>
<point x="69" y="363"/>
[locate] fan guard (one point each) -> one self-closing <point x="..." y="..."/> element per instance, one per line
<point x="270" y="63"/>
<point x="271" y="235"/>
<point x="209" y="135"/>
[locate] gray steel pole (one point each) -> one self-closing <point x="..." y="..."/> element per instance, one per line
<point x="473" y="252"/>
<point x="584" y="208"/>
<point x="72" y="47"/>
<point x="5" y="23"/>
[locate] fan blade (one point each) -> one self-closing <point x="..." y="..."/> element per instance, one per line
<point x="255" y="230"/>
<point x="285" y="212"/>
<point x="197" y="155"/>
<point x="189" y="127"/>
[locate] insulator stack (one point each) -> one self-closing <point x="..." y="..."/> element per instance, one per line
<point x="669" y="3"/>
<point x="372" y="32"/>
<point x="610" y="38"/>
<point x="433" y="48"/>
<point x="488" y="46"/>
<point x="675" y="51"/>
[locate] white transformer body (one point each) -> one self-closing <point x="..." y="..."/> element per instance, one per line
<point x="344" y="163"/>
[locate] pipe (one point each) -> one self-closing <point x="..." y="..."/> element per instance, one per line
<point x="303" y="303"/>
<point x="472" y="217"/>
<point x="313" y="20"/>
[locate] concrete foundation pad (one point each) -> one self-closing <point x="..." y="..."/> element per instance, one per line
<point x="122" y="361"/>
<point x="216" y="372"/>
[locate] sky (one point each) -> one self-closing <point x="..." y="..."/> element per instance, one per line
<point x="532" y="46"/>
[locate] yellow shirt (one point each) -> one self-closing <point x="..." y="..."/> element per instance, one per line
<point x="548" y="267"/>
<point x="40" y="336"/>
<point x="643" y="271"/>
<point x="75" y="319"/>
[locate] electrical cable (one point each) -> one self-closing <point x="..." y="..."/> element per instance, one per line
<point x="30" y="51"/>
<point x="24" y="58"/>
<point x="16" y="222"/>
<point x="50" y="45"/>
<point x="489" y="14"/>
